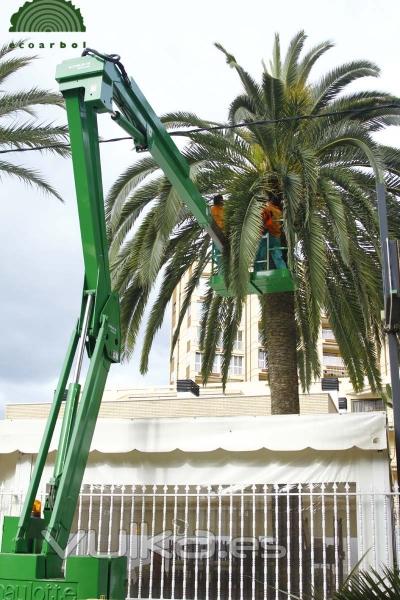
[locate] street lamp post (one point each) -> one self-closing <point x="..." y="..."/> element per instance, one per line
<point x="391" y="328"/>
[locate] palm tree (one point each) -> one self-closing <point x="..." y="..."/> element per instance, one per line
<point x="323" y="171"/>
<point x="19" y="126"/>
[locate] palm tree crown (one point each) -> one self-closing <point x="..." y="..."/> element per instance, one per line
<point x="323" y="172"/>
<point x="19" y="127"/>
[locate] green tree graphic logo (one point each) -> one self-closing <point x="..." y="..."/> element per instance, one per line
<point x="47" y="15"/>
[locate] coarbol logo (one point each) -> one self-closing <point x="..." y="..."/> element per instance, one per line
<point x="47" y="16"/>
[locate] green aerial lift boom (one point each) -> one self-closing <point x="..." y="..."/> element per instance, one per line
<point x="33" y="565"/>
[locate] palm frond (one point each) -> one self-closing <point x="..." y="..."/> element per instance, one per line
<point x="175" y="270"/>
<point x="275" y="63"/>
<point x="133" y="304"/>
<point x="371" y="585"/>
<point x="46" y="137"/>
<point x="244" y="240"/>
<point x="290" y="65"/>
<point x="13" y="65"/>
<point x="273" y="90"/>
<point x="337" y="79"/>
<point x="310" y="59"/>
<point x="178" y="119"/>
<point x="125" y="183"/>
<point x="250" y="85"/>
<point x="24" y="101"/>
<point x="231" y="322"/>
<point x="212" y="335"/>
<point x="32" y="135"/>
<point x="28" y="176"/>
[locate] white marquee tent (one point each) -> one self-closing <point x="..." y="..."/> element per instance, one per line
<point x="242" y="450"/>
<point x="348" y="449"/>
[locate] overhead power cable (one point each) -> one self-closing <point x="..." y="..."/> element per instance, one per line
<point x="188" y="132"/>
<point x="51" y="147"/>
<point x="286" y="119"/>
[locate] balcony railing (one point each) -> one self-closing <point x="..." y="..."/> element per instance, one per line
<point x="231" y="542"/>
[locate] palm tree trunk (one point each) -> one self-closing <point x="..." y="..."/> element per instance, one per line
<point x="280" y="334"/>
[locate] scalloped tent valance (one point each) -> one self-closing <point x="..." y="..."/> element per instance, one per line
<point x="202" y="434"/>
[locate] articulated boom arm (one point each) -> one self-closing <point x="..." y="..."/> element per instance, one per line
<point x="105" y="86"/>
<point x="98" y="329"/>
<point x="90" y="85"/>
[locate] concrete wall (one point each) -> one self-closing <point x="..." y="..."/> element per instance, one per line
<point x="183" y="406"/>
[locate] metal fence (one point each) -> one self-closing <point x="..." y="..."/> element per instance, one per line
<point x="233" y="542"/>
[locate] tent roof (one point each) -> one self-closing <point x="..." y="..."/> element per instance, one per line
<point x="365" y="431"/>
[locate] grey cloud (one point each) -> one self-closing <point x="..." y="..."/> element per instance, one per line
<point x="40" y="260"/>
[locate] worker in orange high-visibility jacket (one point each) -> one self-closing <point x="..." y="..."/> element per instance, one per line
<point x="217" y="210"/>
<point x="272" y="225"/>
<point x="217" y="213"/>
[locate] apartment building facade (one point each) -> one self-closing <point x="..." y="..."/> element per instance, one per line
<point x="250" y="361"/>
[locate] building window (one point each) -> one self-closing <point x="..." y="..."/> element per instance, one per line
<point x="188" y="346"/>
<point x="368" y="405"/>
<point x="332" y="360"/>
<point x="236" y="367"/>
<point x="262" y="360"/>
<point x="238" y="343"/>
<point x="219" y="340"/>
<point x="194" y="312"/>
<point x="327" y="334"/>
<point x="202" y="286"/>
<point x="216" y="368"/>
<point x="198" y="361"/>
<point x="198" y="333"/>
<point x="198" y="308"/>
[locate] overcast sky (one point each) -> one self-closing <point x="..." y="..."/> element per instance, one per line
<point x="167" y="46"/>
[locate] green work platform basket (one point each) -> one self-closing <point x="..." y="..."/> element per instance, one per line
<point x="263" y="278"/>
